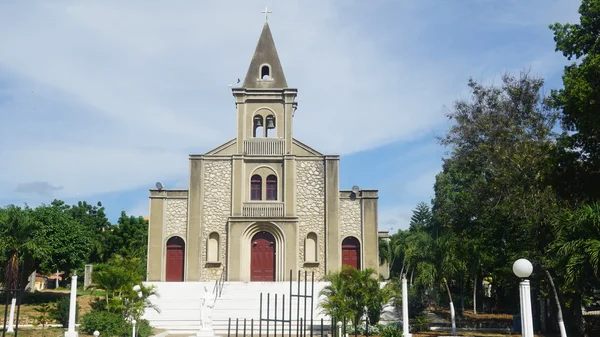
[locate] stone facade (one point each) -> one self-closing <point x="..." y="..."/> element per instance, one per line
<point x="216" y="211"/>
<point x="310" y="198"/>
<point x="350" y="218"/>
<point x="176" y="218"/>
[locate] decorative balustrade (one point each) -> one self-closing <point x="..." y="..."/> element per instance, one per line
<point x="264" y="146"/>
<point x="259" y="209"/>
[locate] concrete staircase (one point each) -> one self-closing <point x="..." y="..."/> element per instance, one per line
<point x="179" y="303"/>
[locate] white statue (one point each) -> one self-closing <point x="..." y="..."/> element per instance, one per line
<point x="206" y="310"/>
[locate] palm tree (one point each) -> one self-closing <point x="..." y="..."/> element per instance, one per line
<point x="18" y="247"/>
<point x="577" y="248"/>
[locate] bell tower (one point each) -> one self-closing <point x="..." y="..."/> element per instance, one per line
<point x="265" y="104"/>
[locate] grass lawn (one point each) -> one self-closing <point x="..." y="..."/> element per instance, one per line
<point x="31" y="301"/>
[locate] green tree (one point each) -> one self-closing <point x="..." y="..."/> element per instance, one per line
<point x="421" y="217"/>
<point x="93" y="218"/>
<point x="68" y="240"/>
<point x="577" y="165"/>
<point x="21" y="252"/>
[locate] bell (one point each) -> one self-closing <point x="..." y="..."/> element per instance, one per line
<point x="258" y="121"/>
<point x="270" y="123"/>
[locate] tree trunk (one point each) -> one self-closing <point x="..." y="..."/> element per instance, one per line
<point x="452" y="313"/>
<point x="412" y="273"/>
<point x="475" y="295"/>
<point x="561" y="322"/>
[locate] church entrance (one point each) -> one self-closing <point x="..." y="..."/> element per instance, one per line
<point x="175" y="259"/>
<point x="351" y="252"/>
<point x="262" y="257"/>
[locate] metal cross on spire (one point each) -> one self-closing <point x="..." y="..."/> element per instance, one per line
<point x="266" y="12"/>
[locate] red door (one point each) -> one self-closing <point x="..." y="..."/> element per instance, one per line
<point x="351" y="252"/>
<point x="175" y="259"/>
<point x="262" y="258"/>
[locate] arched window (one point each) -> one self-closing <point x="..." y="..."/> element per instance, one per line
<point x="265" y="72"/>
<point x="310" y="247"/>
<point x="270" y="126"/>
<point x="256" y="187"/>
<point x="272" y="187"/>
<point x="212" y="249"/>
<point x="258" y="126"/>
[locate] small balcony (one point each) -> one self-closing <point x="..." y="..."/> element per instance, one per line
<point x="264" y="146"/>
<point x="263" y="209"/>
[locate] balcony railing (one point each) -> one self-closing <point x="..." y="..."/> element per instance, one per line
<point x="264" y="146"/>
<point x="258" y="209"/>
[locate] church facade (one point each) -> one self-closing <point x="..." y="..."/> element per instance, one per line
<point x="263" y="203"/>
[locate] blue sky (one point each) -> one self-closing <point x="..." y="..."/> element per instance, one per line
<point x="101" y="99"/>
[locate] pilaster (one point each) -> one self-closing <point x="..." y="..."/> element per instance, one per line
<point x="332" y="216"/>
<point x="194" y="240"/>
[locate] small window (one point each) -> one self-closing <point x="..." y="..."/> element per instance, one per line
<point x="256" y="187"/>
<point x="212" y="251"/>
<point x="271" y="187"/>
<point x="310" y="248"/>
<point x="265" y="72"/>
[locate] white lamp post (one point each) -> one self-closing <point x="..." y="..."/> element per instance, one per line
<point x="96" y="333"/>
<point x="405" y="331"/>
<point x="523" y="268"/>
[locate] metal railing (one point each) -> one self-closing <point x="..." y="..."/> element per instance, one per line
<point x="218" y="288"/>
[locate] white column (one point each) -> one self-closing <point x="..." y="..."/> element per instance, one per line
<point x="526" y="314"/>
<point x="405" y="332"/>
<point x="72" y="308"/>
<point x="11" y="318"/>
<point x="133" y="327"/>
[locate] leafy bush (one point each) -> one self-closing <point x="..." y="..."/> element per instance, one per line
<point x="109" y="324"/>
<point x="391" y="330"/>
<point x="361" y="329"/>
<point x="422" y="323"/>
<point x="143" y="328"/>
<point x="60" y="312"/>
<point x="112" y="324"/>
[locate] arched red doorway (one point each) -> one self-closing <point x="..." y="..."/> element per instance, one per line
<point x="351" y="252"/>
<point x="262" y="257"/>
<point x="175" y="259"/>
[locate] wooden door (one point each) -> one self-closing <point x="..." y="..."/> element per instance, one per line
<point x="262" y="257"/>
<point x="351" y="252"/>
<point x="175" y="259"/>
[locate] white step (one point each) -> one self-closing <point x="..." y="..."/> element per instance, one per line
<point x="180" y="304"/>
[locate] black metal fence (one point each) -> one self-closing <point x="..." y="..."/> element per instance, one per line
<point x="279" y="320"/>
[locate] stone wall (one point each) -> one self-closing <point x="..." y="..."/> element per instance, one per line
<point x="310" y="198"/>
<point x="176" y="218"/>
<point x="216" y="210"/>
<point x="350" y="218"/>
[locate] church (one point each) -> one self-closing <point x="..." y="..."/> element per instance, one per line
<point x="263" y="203"/>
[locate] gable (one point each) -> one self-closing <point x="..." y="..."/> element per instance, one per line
<point x="227" y="148"/>
<point x="301" y="149"/>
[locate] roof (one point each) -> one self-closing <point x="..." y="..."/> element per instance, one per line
<point x="265" y="54"/>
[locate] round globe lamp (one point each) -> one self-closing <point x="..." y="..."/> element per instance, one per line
<point x="522" y="268"/>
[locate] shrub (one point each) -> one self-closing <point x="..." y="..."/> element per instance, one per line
<point x="391" y="330"/>
<point x="143" y="328"/>
<point x="60" y="312"/>
<point x="422" y="323"/>
<point x="109" y="324"/>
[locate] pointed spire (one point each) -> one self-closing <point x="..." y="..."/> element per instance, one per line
<point x="265" y="69"/>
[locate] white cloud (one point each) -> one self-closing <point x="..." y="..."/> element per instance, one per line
<point x="110" y="96"/>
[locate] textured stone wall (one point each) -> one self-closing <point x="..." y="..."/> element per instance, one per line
<point x="310" y="198"/>
<point x="216" y="210"/>
<point x="176" y="217"/>
<point x="350" y="218"/>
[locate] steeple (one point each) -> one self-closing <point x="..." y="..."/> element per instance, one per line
<point x="265" y="69"/>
